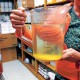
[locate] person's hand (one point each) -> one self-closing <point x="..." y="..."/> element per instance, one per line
<point x="71" y="53"/>
<point x="18" y="18"/>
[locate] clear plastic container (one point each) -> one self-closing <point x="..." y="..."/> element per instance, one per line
<point x="48" y="27"/>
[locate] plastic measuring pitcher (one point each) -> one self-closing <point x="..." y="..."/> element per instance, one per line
<point x="48" y="27"/>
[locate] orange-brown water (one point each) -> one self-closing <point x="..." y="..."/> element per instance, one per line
<point x="48" y="41"/>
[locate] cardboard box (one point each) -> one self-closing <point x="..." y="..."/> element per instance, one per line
<point x="13" y="40"/>
<point x="9" y="54"/>
<point x="4" y="40"/>
<point x="12" y="53"/>
<point x="7" y="40"/>
<point x="28" y="3"/>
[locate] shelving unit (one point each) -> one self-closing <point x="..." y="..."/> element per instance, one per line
<point x="8" y="40"/>
<point x="34" y="63"/>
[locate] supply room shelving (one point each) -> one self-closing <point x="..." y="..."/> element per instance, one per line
<point x="34" y="63"/>
<point x="8" y="40"/>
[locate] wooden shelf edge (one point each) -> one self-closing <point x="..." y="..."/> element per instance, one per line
<point x="31" y="54"/>
<point x="8" y="47"/>
<point x="39" y="76"/>
<point x="5" y="12"/>
<point x="48" y="65"/>
<point x="59" y="3"/>
<point x="29" y="66"/>
<point x="26" y="42"/>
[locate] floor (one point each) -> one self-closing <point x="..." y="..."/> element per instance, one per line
<point x="15" y="70"/>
